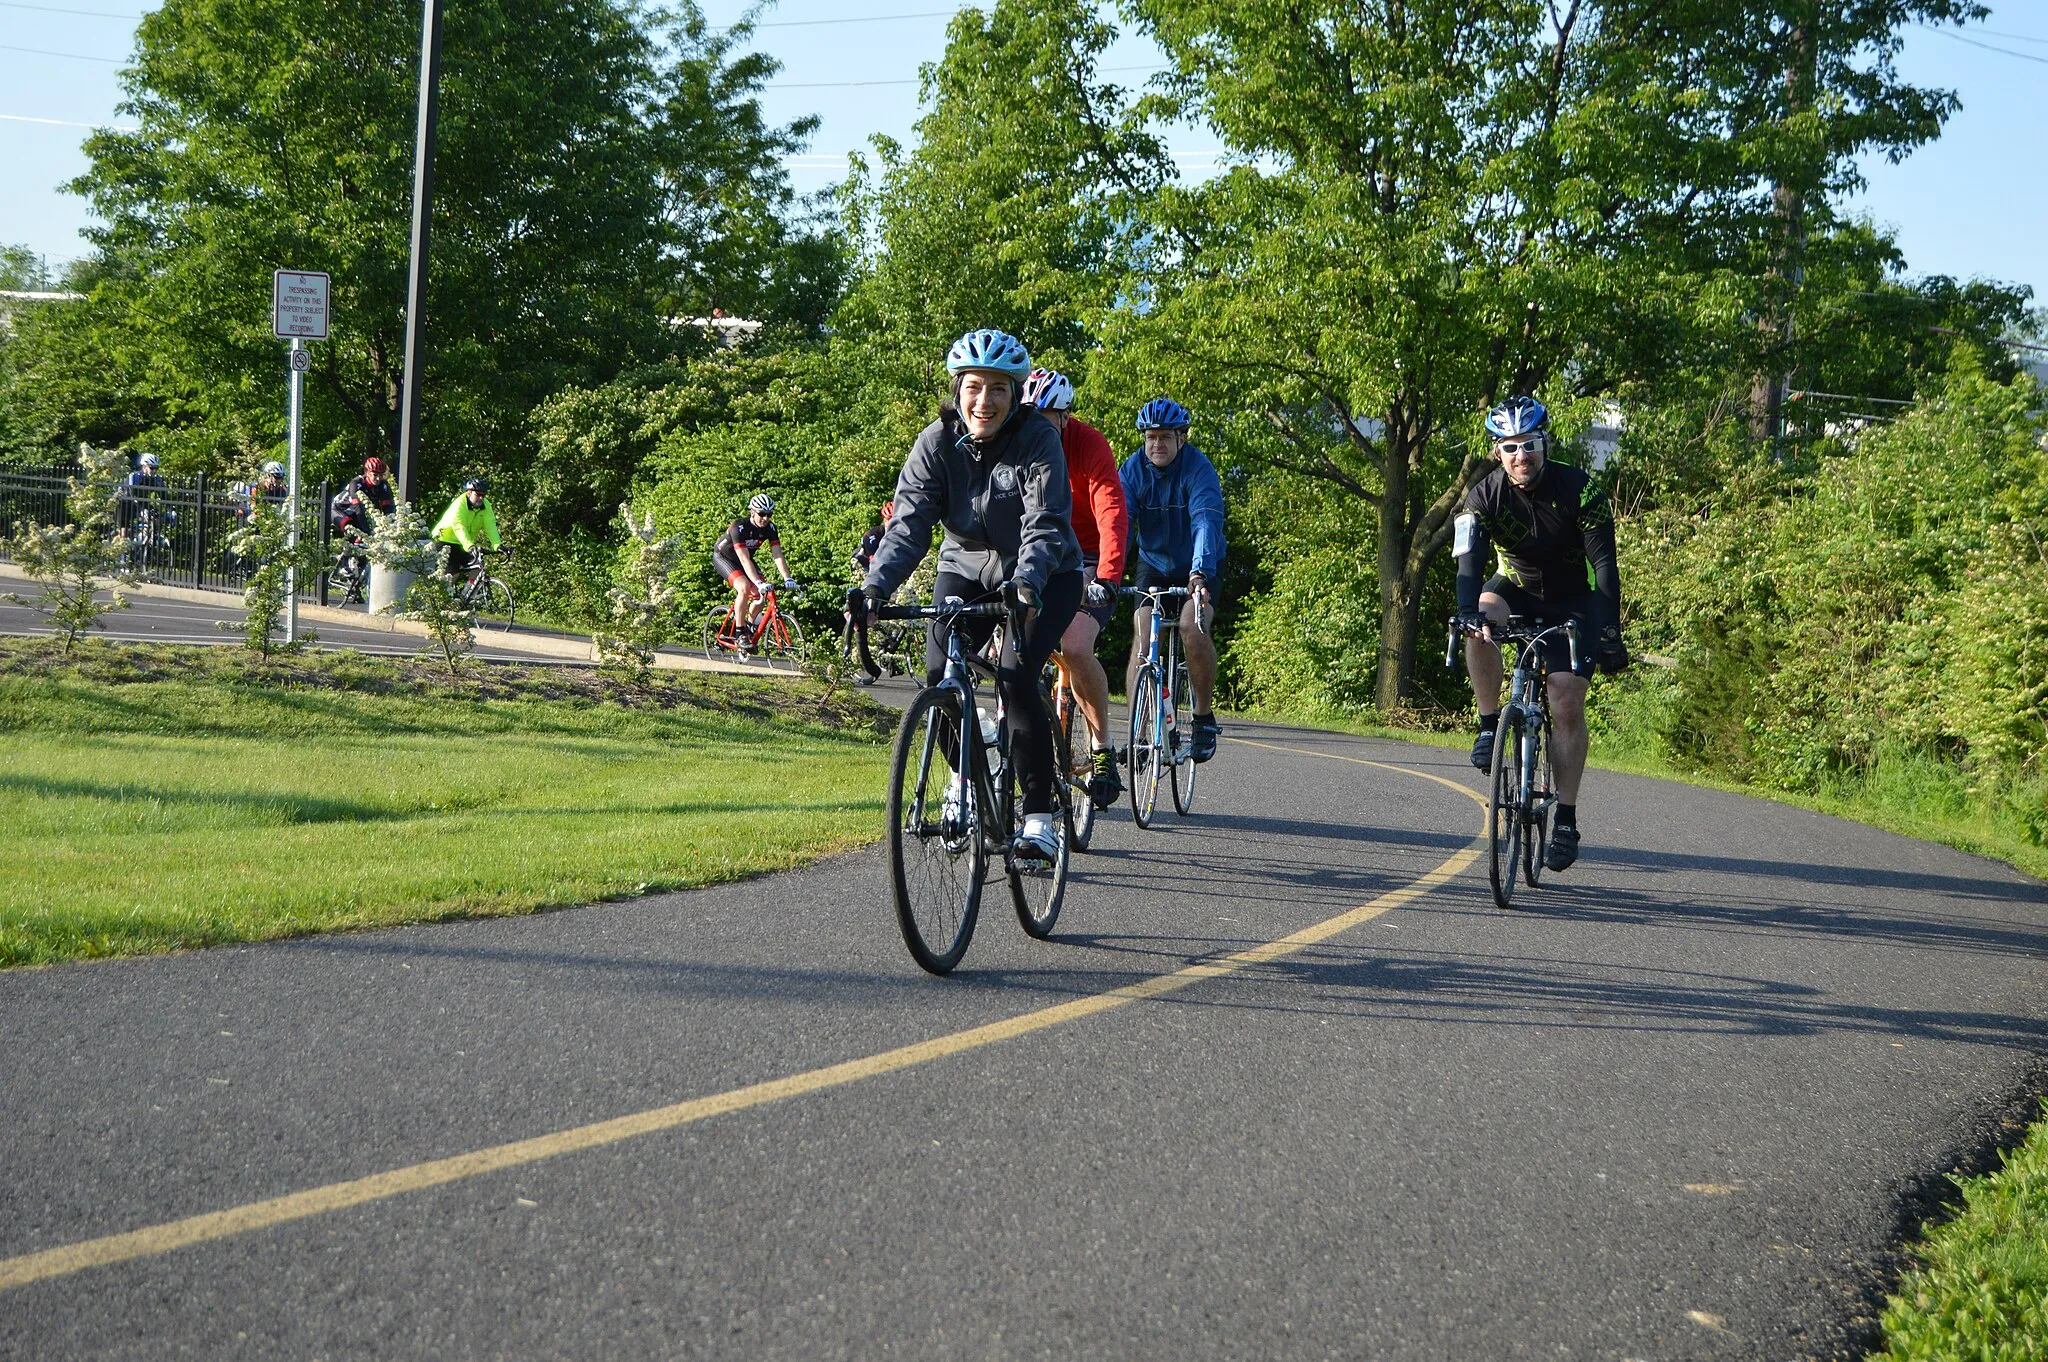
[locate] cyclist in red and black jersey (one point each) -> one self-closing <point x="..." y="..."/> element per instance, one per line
<point x="1546" y="532"/>
<point x="733" y="557"/>
<point x="1102" y="524"/>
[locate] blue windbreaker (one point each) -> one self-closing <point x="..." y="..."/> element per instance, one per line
<point x="1176" y="514"/>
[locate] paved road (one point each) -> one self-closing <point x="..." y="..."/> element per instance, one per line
<point x="153" y="619"/>
<point x="1667" y="1113"/>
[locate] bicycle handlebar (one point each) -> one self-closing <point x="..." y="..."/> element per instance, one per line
<point x="988" y="610"/>
<point x="1162" y="593"/>
<point x="1518" y="629"/>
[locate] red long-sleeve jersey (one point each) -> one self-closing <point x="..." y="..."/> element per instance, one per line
<point x="1102" y="520"/>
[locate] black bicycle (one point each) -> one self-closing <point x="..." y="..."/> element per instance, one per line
<point x="351" y="570"/>
<point x="1521" y="792"/>
<point x="1162" y="697"/>
<point x="955" y="801"/>
<point x="484" y="595"/>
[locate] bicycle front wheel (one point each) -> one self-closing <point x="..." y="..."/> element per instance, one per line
<point x="1536" y="780"/>
<point x="1069" y="725"/>
<point x="1184" y="740"/>
<point x="494" y="605"/>
<point x="936" y="857"/>
<point x="1039" y="889"/>
<point x="782" y="643"/>
<point x="1145" y="753"/>
<point x="1504" y="809"/>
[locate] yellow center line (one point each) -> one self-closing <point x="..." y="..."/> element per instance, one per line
<point x="336" y="1196"/>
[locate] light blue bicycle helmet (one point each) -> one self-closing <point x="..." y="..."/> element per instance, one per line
<point x="1163" y="413"/>
<point x="990" y="349"/>
<point x="1517" y="416"/>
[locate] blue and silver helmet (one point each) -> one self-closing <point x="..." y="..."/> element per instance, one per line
<point x="990" y="349"/>
<point x="1163" y="413"/>
<point x="1517" y="416"/>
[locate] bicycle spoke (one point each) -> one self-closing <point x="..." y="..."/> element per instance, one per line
<point x="936" y="858"/>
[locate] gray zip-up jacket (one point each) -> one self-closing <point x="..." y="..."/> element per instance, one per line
<point x="1006" y="506"/>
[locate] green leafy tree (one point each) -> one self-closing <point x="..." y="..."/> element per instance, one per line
<point x="70" y="561"/>
<point x="1018" y="206"/>
<point x="265" y="541"/>
<point x="1447" y="201"/>
<point x="644" y="600"/>
<point x="567" y="225"/>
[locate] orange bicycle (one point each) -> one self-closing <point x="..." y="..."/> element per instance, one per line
<point x="1070" y="729"/>
<point x="775" y="638"/>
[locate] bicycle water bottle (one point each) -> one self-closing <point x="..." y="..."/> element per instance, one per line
<point x="991" y="730"/>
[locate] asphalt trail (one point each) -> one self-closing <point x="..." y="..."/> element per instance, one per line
<point x="1666" y="1112"/>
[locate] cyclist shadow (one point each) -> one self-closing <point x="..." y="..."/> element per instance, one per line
<point x="1526" y="992"/>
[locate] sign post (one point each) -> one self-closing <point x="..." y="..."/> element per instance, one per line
<point x="298" y="312"/>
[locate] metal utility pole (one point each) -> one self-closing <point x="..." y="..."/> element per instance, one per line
<point x="416" y="283"/>
<point x="301" y="360"/>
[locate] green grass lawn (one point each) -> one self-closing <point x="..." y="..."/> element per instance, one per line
<point x="155" y="799"/>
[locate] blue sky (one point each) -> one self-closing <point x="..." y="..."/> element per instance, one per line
<point x="1971" y="204"/>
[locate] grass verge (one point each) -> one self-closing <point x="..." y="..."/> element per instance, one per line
<point x="1978" y="1287"/>
<point x="159" y="798"/>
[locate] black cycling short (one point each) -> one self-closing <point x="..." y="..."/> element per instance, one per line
<point x="1149" y="578"/>
<point x="1557" y="650"/>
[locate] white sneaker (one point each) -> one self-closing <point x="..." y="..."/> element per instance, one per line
<point x="1040" y="837"/>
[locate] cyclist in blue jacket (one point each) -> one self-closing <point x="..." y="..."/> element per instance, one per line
<point x="1176" y="503"/>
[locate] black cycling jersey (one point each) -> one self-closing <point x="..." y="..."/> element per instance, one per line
<point x="1555" y="542"/>
<point x="348" y="502"/>
<point x="745" y="531"/>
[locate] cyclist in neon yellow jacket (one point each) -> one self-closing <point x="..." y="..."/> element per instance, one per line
<point x="467" y="524"/>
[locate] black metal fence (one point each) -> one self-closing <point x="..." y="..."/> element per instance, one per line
<point x="176" y="534"/>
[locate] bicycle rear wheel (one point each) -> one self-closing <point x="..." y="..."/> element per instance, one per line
<point x="718" y="636"/>
<point x="1504" y="809"/>
<point x="1067" y="725"/>
<point x="936" y="858"/>
<point x="1037" y="889"/>
<point x="1144" y="754"/>
<point x="1536" y="835"/>
<point x="1184" y="739"/>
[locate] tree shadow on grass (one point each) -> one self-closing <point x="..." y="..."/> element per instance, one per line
<point x="295" y="808"/>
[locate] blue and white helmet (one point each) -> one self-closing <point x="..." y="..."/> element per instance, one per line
<point x="990" y="349"/>
<point x="1049" y="390"/>
<point x="146" y="461"/>
<point x="1163" y="413"/>
<point x="1517" y="416"/>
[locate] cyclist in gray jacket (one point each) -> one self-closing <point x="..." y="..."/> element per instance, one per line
<point x="992" y="471"/>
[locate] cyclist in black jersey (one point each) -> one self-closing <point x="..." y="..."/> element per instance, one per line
<point x="733" y="558"/>
<point x="1545" y="534"/>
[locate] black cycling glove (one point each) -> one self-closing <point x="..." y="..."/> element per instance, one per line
<point x="1612" y="656"/>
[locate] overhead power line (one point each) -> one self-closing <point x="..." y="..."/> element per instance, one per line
<point x="55" y="9"/>
<point x="61" y="123"/>
<point x="75" y="56"/>
<point x="1992" y="47"/>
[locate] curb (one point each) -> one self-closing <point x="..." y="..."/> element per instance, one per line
<point x="556" y="647"/>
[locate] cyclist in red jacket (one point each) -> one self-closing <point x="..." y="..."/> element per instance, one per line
<point x="1102" y="522"/>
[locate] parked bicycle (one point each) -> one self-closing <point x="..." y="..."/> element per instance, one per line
<point x="1520" y="790"/>
<point x="1162" y="694"/>
<point x="775" y="637"/>
<point x="955" y="802"/>
<point x="484" y="595"/>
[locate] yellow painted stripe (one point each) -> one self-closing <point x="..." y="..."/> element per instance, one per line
<point x="336" y="1196"/>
